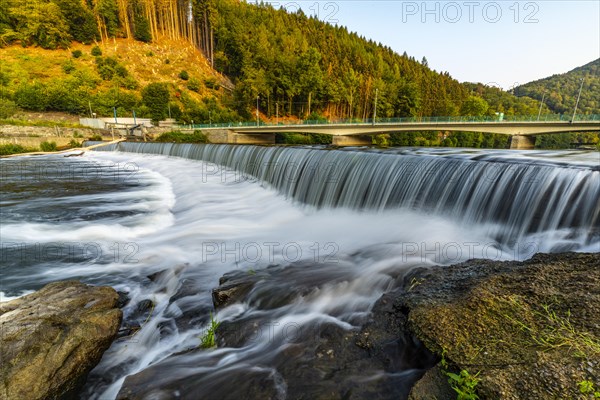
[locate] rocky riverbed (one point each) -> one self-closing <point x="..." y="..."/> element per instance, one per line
<point x="517" y="330"/>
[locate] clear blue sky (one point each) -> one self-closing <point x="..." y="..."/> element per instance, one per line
<point x="502" y="43"/>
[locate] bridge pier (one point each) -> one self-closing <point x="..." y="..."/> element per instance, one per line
<point x="352" y="140"/>
<point x="226" y="136"/>
<point x="522" y="142"/>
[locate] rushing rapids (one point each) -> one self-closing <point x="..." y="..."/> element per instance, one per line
<point x="163" y="222"/>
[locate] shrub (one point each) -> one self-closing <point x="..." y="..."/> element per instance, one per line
<point x="180" y="137"/>
<point x="193" y="85"/>
<point x="11" y="148"/>
<point x="48" y="146"/>
<point x="32" y="97"/>
<point x="211" y="83"/>
<point x="7" y="108"/>
<point x="76" y="53"/>
<point x="95" y="137"/>
<point x="68" y="67"/>
<point x="74" y="143"/>
<point x="108" y="67"/>
<point x="184" y="75"/>
<point x="96" y="51"/>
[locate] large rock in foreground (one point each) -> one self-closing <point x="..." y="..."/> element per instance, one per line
<point x="52" y="338"/>
<point x="531" y="329"/>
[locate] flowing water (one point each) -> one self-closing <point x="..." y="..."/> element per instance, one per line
<point x="351" y="222"/>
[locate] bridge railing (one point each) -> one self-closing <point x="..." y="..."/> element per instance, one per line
<point x="369" y="121"/>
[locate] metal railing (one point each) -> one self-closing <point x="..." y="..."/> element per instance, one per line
<point x="408" y="120"/>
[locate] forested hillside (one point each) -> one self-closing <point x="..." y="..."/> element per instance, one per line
<point x="295" y="65"/>
<point x="217" y="61"/>
<point x="560" y="91"/>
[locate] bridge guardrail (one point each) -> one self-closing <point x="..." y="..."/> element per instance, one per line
<point x="369" y="121"/>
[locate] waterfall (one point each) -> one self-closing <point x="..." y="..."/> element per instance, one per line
<point x="525" y="196"/>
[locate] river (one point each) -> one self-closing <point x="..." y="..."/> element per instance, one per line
<point x="191" y="213"/>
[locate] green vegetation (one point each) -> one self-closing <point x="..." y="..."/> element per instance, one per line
<point x="48" y="146"/>
<point x="155" y="96"/>
<point x="268" y="54"/>
<point x="560" y="91"/>
<point x="96" y="51"/>
<point x="463" y="384"/>
<point x="95" y="138"/>
<point x="587" y="387"/>
<point x="183" y="75"/>
<point x="7" y="108"/>
<point x="208" y="339"/>
<point x="302" y="138"/>
<point x="553" y="331"/>
<point x="567" y="140"/>
<point x="10" y="148"/>
<point x="180" y="137"/>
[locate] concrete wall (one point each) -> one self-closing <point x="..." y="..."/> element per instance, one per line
<point x="520" y="142"/>
<point x="32" y="136"/>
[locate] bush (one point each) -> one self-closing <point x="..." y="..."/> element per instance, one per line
<point x="193" y="85"/>
<point x="211" y="83"/>
<point x="76" y="53"/>
<point x="11" y="148"/>
<point x="108" y="67"/>
<point x="95" y="137"/>
<point x="184" y="75"/>
<point x="64" y="95"/>
<point x="48" y="146"/>
<point x="96" y="51"/>
<point x="32" y="97"/>
<point x="68" y="67"/>
<point x="74" y="143"/>
<point x="180" y="137"/>
<point x="7" y="108"/>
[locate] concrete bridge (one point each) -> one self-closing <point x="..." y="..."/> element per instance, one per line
<point x="522" y="131"/>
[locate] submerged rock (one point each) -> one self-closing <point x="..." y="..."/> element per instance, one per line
<point x="52" y="338"/>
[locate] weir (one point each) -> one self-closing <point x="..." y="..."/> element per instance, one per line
<point x="524" y="196"/>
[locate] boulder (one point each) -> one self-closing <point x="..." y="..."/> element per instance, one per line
<point x="526" y="329"/>
<point x="52" y="338"/>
